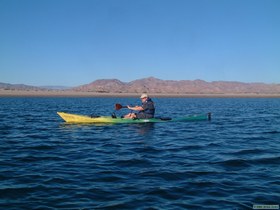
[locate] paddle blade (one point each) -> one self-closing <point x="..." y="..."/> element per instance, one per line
<point x="119" y="106"/>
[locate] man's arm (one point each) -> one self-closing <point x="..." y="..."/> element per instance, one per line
<point x="135" y="108"/>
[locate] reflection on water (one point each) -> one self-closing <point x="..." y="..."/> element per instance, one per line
<point x="142" y="128"/>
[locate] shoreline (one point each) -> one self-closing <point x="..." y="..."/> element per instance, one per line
<point x="67" y="93"/>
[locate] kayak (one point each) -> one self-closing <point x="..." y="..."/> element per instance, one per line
<point x="75" y="118"/>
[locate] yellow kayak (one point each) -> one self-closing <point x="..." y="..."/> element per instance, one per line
<point x="75" y="118"/>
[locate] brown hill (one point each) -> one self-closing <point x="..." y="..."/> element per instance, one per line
<point x="103" y="86"/>
<point x="154" y="85"/>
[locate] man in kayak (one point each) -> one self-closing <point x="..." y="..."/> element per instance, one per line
<point x="147" y="110"/>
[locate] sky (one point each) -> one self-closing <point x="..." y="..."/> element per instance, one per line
<point x="74" y="42"/>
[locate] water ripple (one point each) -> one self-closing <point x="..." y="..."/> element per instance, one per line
<point x="229" y="163"/>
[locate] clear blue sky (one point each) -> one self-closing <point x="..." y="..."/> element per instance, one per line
<point x="74" y="42"/>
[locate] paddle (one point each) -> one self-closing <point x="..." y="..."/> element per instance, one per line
<point x="119" y="106"/>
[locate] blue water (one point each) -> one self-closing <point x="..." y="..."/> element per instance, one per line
<point x="231" y="162"/>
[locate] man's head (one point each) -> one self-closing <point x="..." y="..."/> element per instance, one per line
<point x="144" y="96"/>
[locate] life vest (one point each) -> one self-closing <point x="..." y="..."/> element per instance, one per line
<point x="148" y="107"/>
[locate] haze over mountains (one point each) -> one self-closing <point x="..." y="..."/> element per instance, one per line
<point x="157" y="86"/>
<point x="7" y="86"/>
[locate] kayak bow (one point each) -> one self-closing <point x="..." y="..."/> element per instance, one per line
<point x="75" y="118"/>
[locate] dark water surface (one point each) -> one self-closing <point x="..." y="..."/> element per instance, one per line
<point x="232" y="162"/>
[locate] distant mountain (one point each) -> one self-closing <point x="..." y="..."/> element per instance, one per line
<point x="157" y="86"/>
<point x="7" y="86"/>
<point x="55" y="87"/>
<point x="154" y="85"/>
<point x="103" y="86"/>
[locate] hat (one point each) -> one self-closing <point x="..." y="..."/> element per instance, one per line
<point x="144" y="96"/>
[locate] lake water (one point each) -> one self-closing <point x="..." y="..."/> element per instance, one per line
<point x="232" y="162"/>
